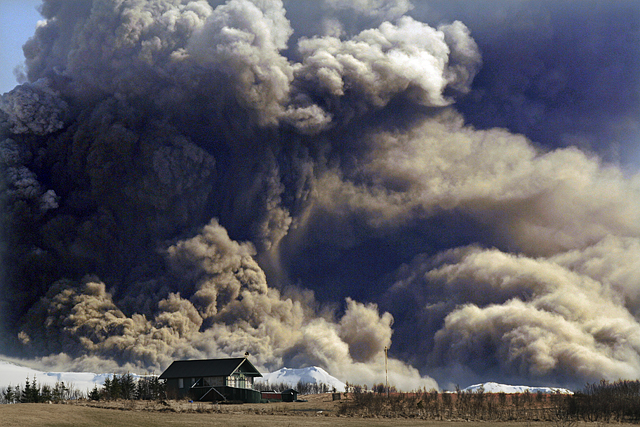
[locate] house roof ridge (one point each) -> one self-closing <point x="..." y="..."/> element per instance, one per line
<point x="208" y="367"/>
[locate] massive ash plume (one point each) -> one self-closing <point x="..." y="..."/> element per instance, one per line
<point x="200" y="179"/>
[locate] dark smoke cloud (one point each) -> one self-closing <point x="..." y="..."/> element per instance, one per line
<point x="312" y="183"/>
<point x="34" y="108"/>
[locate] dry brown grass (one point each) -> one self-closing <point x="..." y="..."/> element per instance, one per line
<point x="319" y="410"/>
<point x="32" y="414"/>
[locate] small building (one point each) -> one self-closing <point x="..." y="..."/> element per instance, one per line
<point x="271" y="396"/>
<point x="289" y="395"/>
<point x="212" y="380"/>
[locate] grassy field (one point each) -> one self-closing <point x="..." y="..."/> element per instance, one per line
<point x="317" y="410"/>
<point x="38" y="414"/>
<point x="80" y="416"/>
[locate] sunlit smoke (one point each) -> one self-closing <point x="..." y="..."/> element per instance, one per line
<point x="197" y="179"/>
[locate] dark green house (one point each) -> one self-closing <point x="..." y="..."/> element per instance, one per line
<point x="212" y="380"/>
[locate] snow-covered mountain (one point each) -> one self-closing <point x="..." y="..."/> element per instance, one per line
<point x="12" y="374"/>
<point x="312" y="374"/>
<point x="491" y="387"/>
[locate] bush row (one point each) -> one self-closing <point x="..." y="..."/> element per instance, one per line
<point x="601" y="402"/>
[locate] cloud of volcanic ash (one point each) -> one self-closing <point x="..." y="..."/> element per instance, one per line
<point x="567" y="318"/>
<point x="190" y="179"/>
<point x="140" y="124"/>
<point x="562" y="307"/>
<point x="230" y="310"/>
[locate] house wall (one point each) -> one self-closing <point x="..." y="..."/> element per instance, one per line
<point x="242" y="394"/>
<point x="271" y="395"/>
<point x="180" y="388"/>
<point x="289" y="395"/>
<point x="206" y="394"/>
<point x="174" y="391"/>
<point x="237" y="387"/>
<point x="214" y="381"/>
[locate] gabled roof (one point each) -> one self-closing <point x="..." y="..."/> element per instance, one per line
<point x="210" y="368"/>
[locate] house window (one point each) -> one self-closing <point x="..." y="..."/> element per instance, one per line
<point x="239" y="381"/>
<point x="214" y="381"/>
<point x="180" y="383"/>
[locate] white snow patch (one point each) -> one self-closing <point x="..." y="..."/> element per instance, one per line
<point x="312" y="375"/>
<point x="12" y="374"/>
<point x="491" y="387"/>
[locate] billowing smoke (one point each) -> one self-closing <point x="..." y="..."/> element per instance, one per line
<point x="188" y="179"/>
<point x="534" y="317"/>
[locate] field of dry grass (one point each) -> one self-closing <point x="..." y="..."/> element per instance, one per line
<point x="38" y="414"/>
<point x="80" y="416"/>
<point x="319" y="410"/>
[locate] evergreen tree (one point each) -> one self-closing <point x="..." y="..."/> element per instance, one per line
<point x="26" y="393"/>
<point x="46" y="394"/>
<point x="128" y="386"/>
<point x="9" y="395"/>
<point x="35" y="391"/>
<point x="146" y="388"/>
<point x="107" y="388"/>
<point x="94" y="394"/>
<point x="17" y="394"/>
<point x="116" y="388"/>
<point x="158" y="388"/>
<point x="58" y="392"/>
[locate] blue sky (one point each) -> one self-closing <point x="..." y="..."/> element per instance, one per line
<point x="18" y="19"/>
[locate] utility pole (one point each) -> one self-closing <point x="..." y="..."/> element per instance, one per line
<point x="386" y="370"/>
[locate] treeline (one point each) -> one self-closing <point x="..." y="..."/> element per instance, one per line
<point x="117" y="387"/>
<point x="126" y="387"/>
<point x="376" y="388"/>
<point x="300" y="387"/>
<point x="607" y="402"/>
<point x="314" y="388"/>
<point x="32" y="392"/>
<point x="468" y="406"/>
<point x="601" y="402"/>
